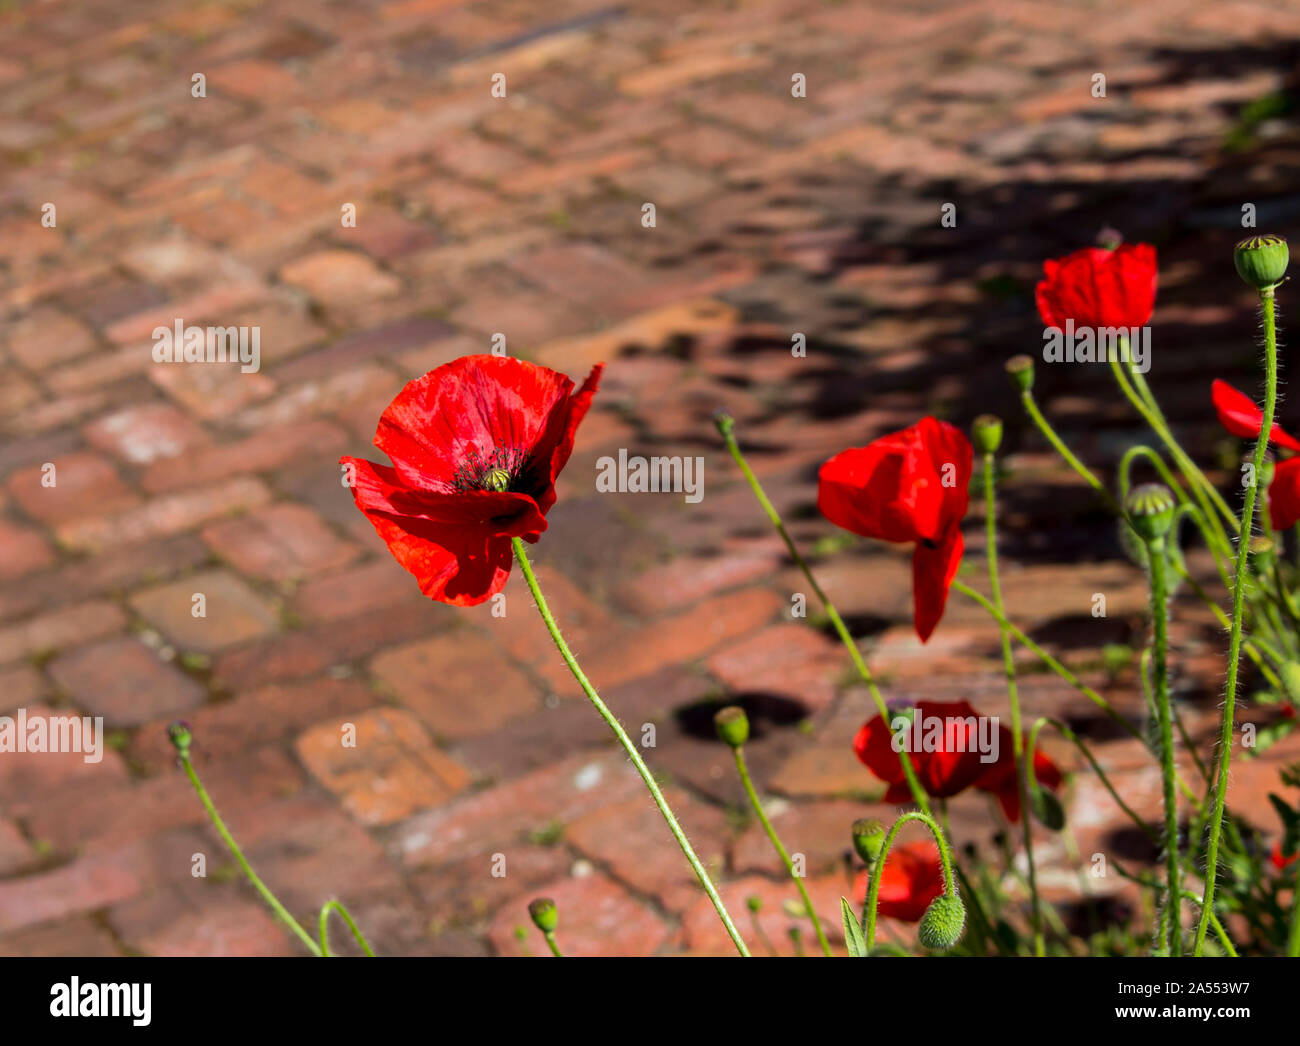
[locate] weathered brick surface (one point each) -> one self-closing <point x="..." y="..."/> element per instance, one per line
<point x="479" y="215"/>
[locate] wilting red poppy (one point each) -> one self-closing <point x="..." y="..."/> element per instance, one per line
<point x="1239" y="415"/>
<point x="1000" y="778"/>
<point x="952" y="766"/>
<point x="911" y="879"/>
<point x="1280" y="860"/>
<point x="1284" y="494"/>
<point x="476" y="445"/>
<point x="1097" y="287"/>
<point x="908" y="486"/>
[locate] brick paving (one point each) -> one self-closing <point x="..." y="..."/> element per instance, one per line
<point x="479" y="215"/>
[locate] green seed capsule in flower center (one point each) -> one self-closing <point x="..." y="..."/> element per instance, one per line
<point x="496" y="479"/>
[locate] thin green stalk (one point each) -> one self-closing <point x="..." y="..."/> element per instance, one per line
<point x="1160" y="645"/>
<point x="261" y="887"/>
<point x="754" y="801"/>
<point x="1293" y="936"/>
<point x="335" y="906"/>
<point x="1049" y="433"/>
<point x="1009" y="666"/>
<point x="612" y="722"/>
<point x="550" y="943"/>
<point x="1238" y="609"/>
<point x="726" y="428"/>
<point x="873" y="890"/>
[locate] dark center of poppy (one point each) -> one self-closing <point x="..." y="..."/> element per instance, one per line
<point x="498" y="471"/>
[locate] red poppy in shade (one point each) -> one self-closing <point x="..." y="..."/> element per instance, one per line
<point x="1000" y="778"/>
<point x="911" y="879"/>
<point x="1097" y="287"/>
<point x="476" y="445"/>
<point x="1239" y="415"/>
<point x="1280" y="860"/>
<point x="1284" y="494"/>
<point x="952" y="766"/>
<point x="908" y="486"/>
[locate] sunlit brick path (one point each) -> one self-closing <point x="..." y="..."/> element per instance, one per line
<point x="478" y="215"/>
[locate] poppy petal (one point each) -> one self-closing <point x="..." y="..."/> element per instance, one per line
<point x="1241" y="417"/>
<point x="1284" y="495"/>
<point x="1096" y="287"/>
<point x="933" y="569"/>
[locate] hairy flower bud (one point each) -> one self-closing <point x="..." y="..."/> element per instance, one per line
<point x="1021" y="369"/>
<point x="868" y="838"/>
<point x="732" y="725"/>
<point x="986" y="433"/>
<point x="544" y="914"/>
<point x="943" y="922"/>
<point x="1151" y="508"/>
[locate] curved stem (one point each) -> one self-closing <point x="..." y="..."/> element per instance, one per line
<point x="1238" y="609"/>
<point x="1160" y="624"/>
<point x="1049" y="433"/>
<point x="335" y="906"/>
<point x="612" y="722"/>
<point x="873" y="890"/>
<point x="261" y="887"/>
<point x="754" y="801"/>
<point x="1023" y="769"/>
<point x="726" y="428"/>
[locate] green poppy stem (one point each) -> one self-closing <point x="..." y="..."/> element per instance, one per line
<point x="1238" y="611"/>
<point x="873" y="889"/>
<point x="726" y="428"/>
<point x="1009" y="665"/>
<point x="272" y="901"/>
<point x="1160" y="663"/>
<point x="612" y="722"/>
<point x="335" y="906"/>
<point x="757" y="804"/>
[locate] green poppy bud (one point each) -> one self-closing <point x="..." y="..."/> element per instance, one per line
<point x="732" y="725"/>
<point x="986" y="433"/>
<point x="544" y="914"/>
<point x="1151" y="508"/>
<point x="180" y="735"/>
<point x="943" y="922"/>
<point x="1261" y="261"/>
<point x="868" y="838"/>
<point x="1021" y="369"/>
<point x="754" y="903"/>
<point x="1047" y="809"/>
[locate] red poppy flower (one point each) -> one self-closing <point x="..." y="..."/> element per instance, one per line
<point x="911" y="879"/>
<point x="1280" y="861"/>
<point x="1284" y="494"/>
<point x="1000" y="778"/>
<point x="1096" y="287"/>
<point x="476" y="445"/>
<point x="953" y="766"/>
<point x="1239" y="415"/>
<point x="908" y="486"/>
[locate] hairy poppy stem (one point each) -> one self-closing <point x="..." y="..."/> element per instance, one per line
<point x="726" y="428"/>
<point x="1023" y="770"/>
<point x="612" y="722"/>
<point x="270" y="898"/>
<point x="757" y="804"/>
<point x="336" y="906"/>
<point x="1238" y="608"/>
<point x="1160" y="624"/>
<point x="873" y="889"/>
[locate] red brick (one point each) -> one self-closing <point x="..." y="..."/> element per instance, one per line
<point x="125" y="682"/>
<point x="80" y="936"/>
<point x="271" y="448"/>
<point x="357" y="590"/>
<point x="596" y="917"/>
<point x="45" y="338"/>
<point x="59" y="628"/>
<point x="283" y="542"/>
<point x="233" y="613"/>
<point x="389" y="770"/>
<point x="147" y="433"/>
<point x="688" y="579"/>
<point x="22" y="550"/>
<point x="243" y="928"/>
<point x="702" y="932"/>
<point x="790" y="660"/>
<point x="460" y="684"/>
<point x="339" y="278"/>
<point x="84" y="485"/>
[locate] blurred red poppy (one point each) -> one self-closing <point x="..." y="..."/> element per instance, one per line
<point x="953" y="766"/>
<point x="1000" y="778"/>
<point x="1284" y="494"/>
<point x="1280" y="861"/>
<point x="1239" y="415"/>
<point x="476" y="446"/>
<point x="1098" y="287"/>
<point x="909" y="486"/>
<point x="911" y="879"/>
